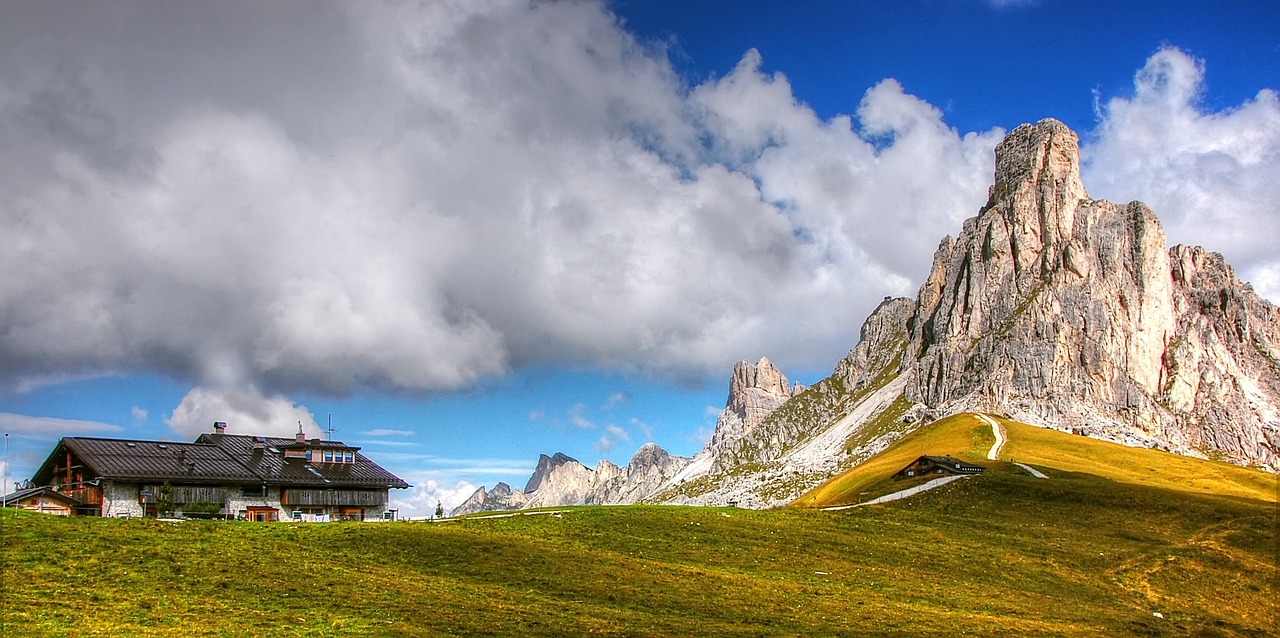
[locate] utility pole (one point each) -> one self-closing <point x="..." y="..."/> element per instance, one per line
<point x="4" y="491"/>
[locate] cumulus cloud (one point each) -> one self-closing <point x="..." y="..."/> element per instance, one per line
<point x="139" y="415"/>
<point x="245" y="411"/>
<point x="414" y="198"/>
<point x="461" y="189"/>
<point x="1209" y="175"/>
<point x="421" y="499"/>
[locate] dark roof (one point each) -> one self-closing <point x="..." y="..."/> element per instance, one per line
<point x="11" y="500"/>
<point x="275" y="469"/>
<point x="216" y="458"/>
<point x="952" y="462"/>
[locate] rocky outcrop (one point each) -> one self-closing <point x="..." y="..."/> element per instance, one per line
<point x="650" y="467"/>
<point x="755" y="391"/>
<point x="501" y="499"/>
<point x="1073" y="313"/>
<point x="805" y="439"/>
<point x="559" y="480"/>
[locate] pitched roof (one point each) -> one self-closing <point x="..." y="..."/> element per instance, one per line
<point x="953" y="463"/>
<point x="270" y="464"/>
<point x="11" y="500"/>
<point x="217" y="458"/>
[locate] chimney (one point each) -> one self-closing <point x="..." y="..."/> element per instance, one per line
<point x="219" y="427"/>
<point x="301" y="437"/>
<point x="259" y="443"/>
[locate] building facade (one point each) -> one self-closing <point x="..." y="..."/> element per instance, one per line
<point x="936" y="465"/>
<point x="220" y="476"/>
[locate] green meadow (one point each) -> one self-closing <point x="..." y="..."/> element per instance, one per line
<point x="1092" y="551"/>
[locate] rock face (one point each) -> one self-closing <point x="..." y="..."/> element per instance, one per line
<point x="1072" y="313"/>
<point x="650" y="467"/>
<point x="559" y="480"/>
<point x="755" y="391"/>
<point x="1049" y="307"/>
<point x="502" y="498"/>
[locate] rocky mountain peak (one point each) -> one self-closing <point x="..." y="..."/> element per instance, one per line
<point x="1074" y="313"/>
<point x="755" y="390"/>
<point x="546" y="465"/>
<point x="1040" y="160"/>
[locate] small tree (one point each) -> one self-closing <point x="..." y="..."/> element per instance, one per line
<point x="164" y="500"/>
<point x="439" y="510"/>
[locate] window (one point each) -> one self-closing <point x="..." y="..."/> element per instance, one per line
<point x="253" y="490"/>
<point x="263" y="514"/>
<point x="308" y="455"/>
<point x="348" y="457"/>
<point x="328" y="456"/>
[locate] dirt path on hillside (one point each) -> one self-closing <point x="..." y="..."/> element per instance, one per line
<point x="998" y="431"/>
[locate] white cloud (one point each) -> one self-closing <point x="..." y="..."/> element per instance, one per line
<point x="245" y="411"/>
<point x="421" y="499"/>
<point x="1209" y="175"/>
<point x="617" y="399"/>
<point x="386" y="432"/>
<point x="440" y="193"/>
<point x="612" y="436"/>
<point x="23" y="424"/>
<point x="644" y="428"/>
<point x="466" y="188"/>
<point x="577" y="419"/>
<point x="139" y="415"/>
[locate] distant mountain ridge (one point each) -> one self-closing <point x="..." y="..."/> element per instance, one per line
<point x="1049" y="307"/>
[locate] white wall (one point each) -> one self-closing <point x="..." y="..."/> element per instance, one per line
<point x="120" y="499"/>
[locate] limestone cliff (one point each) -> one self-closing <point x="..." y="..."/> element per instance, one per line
<point x="1073" y="313"/>
<point x="650" y="467"/>
<point x="502" y="498"/>
<point x="559" y="480"/>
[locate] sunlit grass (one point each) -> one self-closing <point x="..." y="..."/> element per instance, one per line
<point x="1002" y="553"/>
<point x="963" y="436"/>
<point x="1053" y="450"/>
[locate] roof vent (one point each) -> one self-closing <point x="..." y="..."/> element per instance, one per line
<point x="219" y="427"/>
<point x="163" y="446"/>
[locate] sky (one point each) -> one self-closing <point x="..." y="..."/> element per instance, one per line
<point x="464" y="233"/>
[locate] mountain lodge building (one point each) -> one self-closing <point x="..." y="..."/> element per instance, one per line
<point x="937" y="465"/>
<point x="219" y="475"/>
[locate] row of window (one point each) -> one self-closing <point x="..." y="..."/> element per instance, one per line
<point x="331" y="456"/>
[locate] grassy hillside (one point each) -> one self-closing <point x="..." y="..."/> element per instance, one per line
<point x="1000" y="554"/>
<point x="1055" y="453"/>
<point x="1051" y="451"/>
<point x="963" y="436"/>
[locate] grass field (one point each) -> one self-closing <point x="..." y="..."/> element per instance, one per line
<point x="1114" y="537"/>
<point x="1002" y="553"/>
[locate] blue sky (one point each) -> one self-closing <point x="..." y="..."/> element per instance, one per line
<point x="472" y="233"/>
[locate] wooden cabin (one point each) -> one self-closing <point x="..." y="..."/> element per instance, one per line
<point x="43" y="499"/>
<point x="218" y="475"/>
<point x="937" y="466"/>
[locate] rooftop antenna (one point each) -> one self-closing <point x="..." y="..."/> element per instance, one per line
<point x="331" y="426"/>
